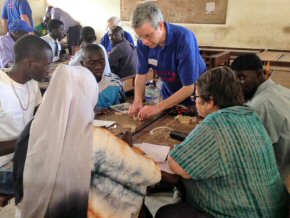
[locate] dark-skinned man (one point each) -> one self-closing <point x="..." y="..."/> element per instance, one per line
<point x="271" y="102"/>
<point x="123" y="56"/>
<point x="18" y="28"/>
<point x="20" y="95"/>
<point x="55" y="34"/>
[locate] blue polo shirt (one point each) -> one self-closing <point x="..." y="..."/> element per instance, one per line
<point x="178" y="63"/>
<point x="106" y="42"/>
<point x="13" y="9"/>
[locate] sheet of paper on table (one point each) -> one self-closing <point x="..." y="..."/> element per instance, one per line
<point x="164" y="166"/>
<point x="103" y="123"/>
<point x="122" y="108"/>
<point x="158" y="153"/>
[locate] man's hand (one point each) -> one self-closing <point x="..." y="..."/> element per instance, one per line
<point x="135" y="108"/>
<point x="149" y="111"/>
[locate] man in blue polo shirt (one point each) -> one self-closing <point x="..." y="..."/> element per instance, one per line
<point x="112" y="22"/>
<point x="16" y="10"/>
<point x="172" y="52"/>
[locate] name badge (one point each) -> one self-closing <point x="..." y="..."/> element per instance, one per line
<point x="153" y="62"/>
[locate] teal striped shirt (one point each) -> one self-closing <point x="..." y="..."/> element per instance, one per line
<point x="232" y="164"/>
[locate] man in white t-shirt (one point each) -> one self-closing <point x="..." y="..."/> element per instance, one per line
<point x="19" y="92"/>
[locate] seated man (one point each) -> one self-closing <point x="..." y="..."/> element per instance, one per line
<point x="41" y="29"/>
<point x="55" y="34"/>
<point x="271" y="102"/>
<point x="19" y="92"/>
<point x="72" y="27"/>
<point x="110" y="87"/>
<point x="88" y="36"/>
<point x="227" y="161"/>
<point x="123" y="56"/>
<point x="18" y="28"/>
<point x="112" y="22"/>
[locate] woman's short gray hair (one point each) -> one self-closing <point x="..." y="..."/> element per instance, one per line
<point x="146" y="12"/>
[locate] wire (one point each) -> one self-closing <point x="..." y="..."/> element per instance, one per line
<point x="160" y="127"/>
<point x="182" y="106"/>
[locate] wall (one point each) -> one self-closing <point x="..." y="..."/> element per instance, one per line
<point x="92" y="13"/>
<point x="250" y="23"/>
<point x="38" y="8"/>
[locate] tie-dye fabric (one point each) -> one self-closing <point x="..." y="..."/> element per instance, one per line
<point x="119" y="177"/>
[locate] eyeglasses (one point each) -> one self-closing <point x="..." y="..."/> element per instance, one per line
<point x="194" y="97"/>
<point x="148" y="36"/>
<point x="145" y="37"/>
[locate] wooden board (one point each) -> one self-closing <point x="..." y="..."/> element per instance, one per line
<point x="182" y="11"/>
<point x="125" y="123"/>
<point x="285" y="58"/>
<point x="161" y="136"/>
<point x="270" y="55"/>
<point x="281" y="77"/>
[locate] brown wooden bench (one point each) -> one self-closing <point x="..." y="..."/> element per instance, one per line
<point x="216" y="59"/>
<point x="4" y="199"/>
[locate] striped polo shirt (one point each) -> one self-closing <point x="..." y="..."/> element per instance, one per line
<point x="232" y="164"/>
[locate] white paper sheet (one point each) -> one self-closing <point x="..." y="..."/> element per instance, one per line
<point x="157" y="152"/>
<point x="210" y="7"/>
<point x="164" y="166"/>
<point x="122" y="108"/>
<point x="103" y="123"/>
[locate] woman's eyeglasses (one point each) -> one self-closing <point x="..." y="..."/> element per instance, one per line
<point x="194" y="97"/>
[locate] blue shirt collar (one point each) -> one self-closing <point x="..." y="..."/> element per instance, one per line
<point x="169" y="34"/>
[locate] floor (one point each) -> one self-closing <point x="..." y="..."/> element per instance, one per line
<point x="153" y="202"/>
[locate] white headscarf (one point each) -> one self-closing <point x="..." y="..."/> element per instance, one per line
<point x="108" y="78"/>
<point x="57" y="168"/>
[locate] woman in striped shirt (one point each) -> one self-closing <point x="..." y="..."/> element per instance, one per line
<point x="227" y="162"/>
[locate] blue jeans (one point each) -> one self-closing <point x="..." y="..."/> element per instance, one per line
<point x="6" y="181"/>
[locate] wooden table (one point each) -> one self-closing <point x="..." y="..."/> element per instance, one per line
<point x="269" y="56"/>
<point x="160" y="136"/>
<point x="216" y="58"/>
<point x="281" y="77"/>
<point x="285" y="58"/>
<point x="125" y="123"/>
<point x="143" y="128"/>
<point x="275" y="58"/>
<point x="234" y="52"/>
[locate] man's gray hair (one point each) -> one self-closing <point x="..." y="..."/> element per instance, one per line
<point x="116" y="20"/>
<point x="146" y="12"/>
